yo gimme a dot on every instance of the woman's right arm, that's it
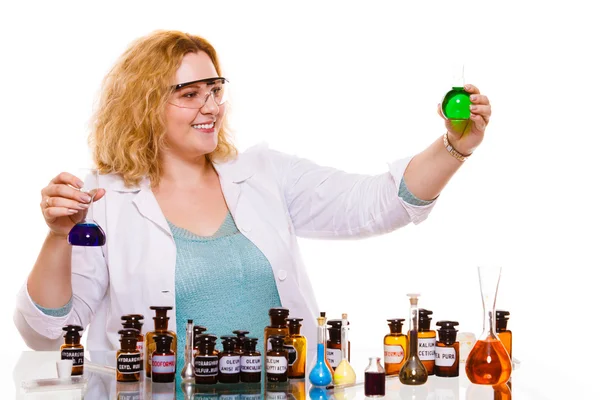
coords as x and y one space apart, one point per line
62 275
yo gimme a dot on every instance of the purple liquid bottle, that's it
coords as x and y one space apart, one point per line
374 378
87 234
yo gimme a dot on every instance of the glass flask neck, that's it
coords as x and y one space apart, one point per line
489 280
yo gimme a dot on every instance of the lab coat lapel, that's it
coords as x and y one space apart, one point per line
231 176
148 206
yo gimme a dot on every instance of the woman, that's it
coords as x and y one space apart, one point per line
174 193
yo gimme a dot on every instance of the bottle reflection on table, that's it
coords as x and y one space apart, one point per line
488 392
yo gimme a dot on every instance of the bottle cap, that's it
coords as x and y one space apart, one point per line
501 319
250 344
163 343
277 342
72 333
229 342
279 312
294 325
395 325
240 333
335 330
133 321
447 332
424 319
128 338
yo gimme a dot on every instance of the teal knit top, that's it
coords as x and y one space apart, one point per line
222 282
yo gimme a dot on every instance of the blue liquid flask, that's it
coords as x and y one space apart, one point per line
88 232
320 375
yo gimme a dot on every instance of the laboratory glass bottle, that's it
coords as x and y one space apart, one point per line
374 378
278 326
295 344
229 361
488 363
163 359
161 325
239 345
426 340
198 330
447 350
344 373
334 343
413 371
456 103
129 360
504 334
250 362
276 360
320 374
395 347
72 349
187 371
206 363
135 321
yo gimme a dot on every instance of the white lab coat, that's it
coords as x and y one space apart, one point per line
273 197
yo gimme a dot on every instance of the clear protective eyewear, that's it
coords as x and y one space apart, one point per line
195 94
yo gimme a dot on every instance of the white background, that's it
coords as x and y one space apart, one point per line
355 86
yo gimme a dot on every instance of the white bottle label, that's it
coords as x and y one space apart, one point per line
393 354
276 365
73 353
445 356
427 349
206 366
129 363
251 363
229 365
334 356
163 364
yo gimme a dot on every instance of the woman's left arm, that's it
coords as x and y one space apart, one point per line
429 171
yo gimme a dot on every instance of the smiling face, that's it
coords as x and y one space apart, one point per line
192 133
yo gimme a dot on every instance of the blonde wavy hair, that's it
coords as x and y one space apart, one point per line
128 128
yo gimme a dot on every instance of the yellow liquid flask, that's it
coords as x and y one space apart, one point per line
344 373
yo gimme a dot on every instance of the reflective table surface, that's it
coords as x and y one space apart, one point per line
99 382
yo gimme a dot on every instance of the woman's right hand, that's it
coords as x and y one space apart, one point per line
63 204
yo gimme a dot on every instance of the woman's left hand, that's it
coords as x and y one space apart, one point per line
466 135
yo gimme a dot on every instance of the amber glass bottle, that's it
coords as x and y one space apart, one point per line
504 334
395 346
129 359
72 349
229 361
334 343
295 344
206 363
250 361
447 350
278 325
198 330
426 340
163 359
161 326
276 361
135 321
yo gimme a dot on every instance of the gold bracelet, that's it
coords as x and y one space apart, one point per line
460 157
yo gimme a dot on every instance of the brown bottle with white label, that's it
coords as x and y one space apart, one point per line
395 347
447 356
426 340
129 360
72 349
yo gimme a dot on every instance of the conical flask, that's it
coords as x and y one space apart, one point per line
488 363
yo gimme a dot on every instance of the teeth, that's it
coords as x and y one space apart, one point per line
204 126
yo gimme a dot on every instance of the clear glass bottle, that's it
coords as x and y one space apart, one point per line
395 347
320 374
456 103
374 378
488 363
413 371
187 371
344 373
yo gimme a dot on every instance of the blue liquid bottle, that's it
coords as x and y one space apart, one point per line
88 232
320 375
